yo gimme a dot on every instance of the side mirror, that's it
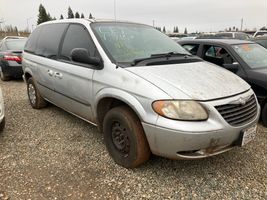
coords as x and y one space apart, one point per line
232 67
82 55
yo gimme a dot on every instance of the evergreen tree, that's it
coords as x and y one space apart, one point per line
70 13
42 16
48 17
185 31
90 16
61 17
82 15
175 29
77 15
17 32
158 28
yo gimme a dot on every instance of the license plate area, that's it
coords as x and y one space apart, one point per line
247 135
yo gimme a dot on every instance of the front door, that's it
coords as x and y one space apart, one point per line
73 81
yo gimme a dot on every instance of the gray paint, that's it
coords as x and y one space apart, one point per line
139 87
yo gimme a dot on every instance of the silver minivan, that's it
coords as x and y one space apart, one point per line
143 90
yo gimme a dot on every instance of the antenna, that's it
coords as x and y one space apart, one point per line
241 24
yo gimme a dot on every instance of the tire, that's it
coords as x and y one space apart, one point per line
125 138
264 115
35 98
4 77
2 124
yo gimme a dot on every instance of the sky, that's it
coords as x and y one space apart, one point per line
195 15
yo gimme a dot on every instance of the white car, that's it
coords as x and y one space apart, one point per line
2 112
260 33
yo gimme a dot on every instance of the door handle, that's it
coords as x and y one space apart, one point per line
58 75
50 72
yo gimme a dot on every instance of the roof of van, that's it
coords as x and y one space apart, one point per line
83 20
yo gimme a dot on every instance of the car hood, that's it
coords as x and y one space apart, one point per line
197 80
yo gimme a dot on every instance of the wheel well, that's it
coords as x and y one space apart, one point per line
27 76
104 106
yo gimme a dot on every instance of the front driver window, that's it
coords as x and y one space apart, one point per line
218 56
76 37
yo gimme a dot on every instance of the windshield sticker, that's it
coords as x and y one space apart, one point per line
246 47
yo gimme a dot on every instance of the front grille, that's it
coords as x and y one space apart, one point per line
237 114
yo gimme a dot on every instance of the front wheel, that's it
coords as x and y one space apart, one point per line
2 124
264 115
35 98
125 138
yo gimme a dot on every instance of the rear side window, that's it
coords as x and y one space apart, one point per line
31 44
16 44
49 39
241 36
225 35
76 37
191 48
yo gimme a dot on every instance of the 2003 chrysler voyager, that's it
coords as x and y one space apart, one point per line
144 91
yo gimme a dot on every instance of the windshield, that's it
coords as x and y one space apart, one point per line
126 42
253 54
16 44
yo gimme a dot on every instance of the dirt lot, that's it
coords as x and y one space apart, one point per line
50 154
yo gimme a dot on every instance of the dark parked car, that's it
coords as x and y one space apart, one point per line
261 40
11 48
245 58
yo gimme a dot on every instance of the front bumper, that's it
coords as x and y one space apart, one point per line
191 140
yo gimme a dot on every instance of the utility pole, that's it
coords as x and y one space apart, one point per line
115 14
2 32
241 25
1 22
28 19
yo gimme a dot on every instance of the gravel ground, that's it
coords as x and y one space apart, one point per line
50 154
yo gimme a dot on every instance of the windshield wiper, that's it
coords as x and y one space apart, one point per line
160 55
169 54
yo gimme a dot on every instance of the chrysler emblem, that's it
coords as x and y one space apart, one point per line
242 101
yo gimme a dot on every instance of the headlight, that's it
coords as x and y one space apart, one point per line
180 110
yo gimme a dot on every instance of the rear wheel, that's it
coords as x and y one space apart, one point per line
35 98
3 76
264 115
125 138
2 124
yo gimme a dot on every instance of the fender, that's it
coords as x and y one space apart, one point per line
25 68
121 95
